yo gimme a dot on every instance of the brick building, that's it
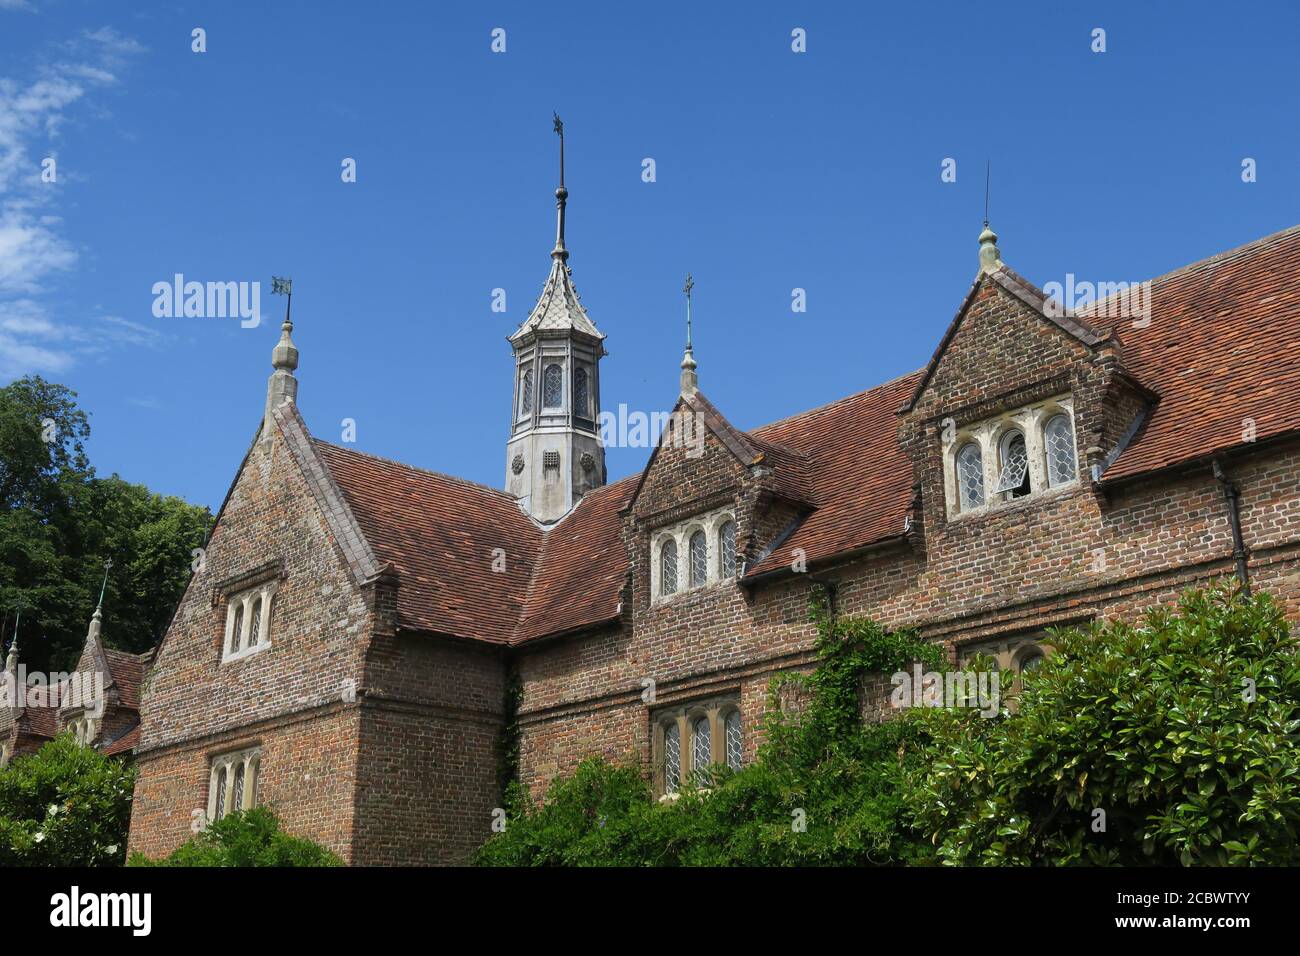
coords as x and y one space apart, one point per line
99 701
363 632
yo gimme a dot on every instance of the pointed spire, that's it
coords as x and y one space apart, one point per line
990 257
282 386
561 196
690 381
96 620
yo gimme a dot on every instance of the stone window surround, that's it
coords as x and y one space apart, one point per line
711 524
251 758
246 598
1030 420
84 726
684 716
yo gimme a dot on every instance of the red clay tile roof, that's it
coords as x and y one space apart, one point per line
127 671
1223 345
42 719
579 579
440 533
124 744
863 480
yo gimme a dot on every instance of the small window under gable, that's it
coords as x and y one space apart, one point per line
248 620
1018 454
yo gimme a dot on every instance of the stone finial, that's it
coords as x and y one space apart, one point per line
96 625
990 257
11 662
282 386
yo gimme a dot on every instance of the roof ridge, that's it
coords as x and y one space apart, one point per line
1218 257
424 471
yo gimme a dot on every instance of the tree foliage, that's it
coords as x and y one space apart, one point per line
249 838
1170 742
65 805
59 523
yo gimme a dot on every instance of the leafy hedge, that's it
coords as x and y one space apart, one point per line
1151 724
250 838
65 805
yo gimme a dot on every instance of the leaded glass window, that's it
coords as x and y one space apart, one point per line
672 757
526 393
553 387
668 568
1014 477
699 559
580 393
727 549
237 801
1059 438
702 749
234 633
255 625
733 740
221 794
970 476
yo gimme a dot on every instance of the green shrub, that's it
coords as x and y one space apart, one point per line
250 838
824 789
1150 724
65 805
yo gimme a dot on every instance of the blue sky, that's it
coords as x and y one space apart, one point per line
774 170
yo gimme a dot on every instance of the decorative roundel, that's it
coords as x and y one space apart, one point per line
517 465
588 461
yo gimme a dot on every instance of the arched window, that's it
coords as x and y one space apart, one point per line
672 757
1013 479
553 387
970 476
1058 437
702 749
237 802
733 740
1031 661
221 794
699 559
526 392
255 625
239 624
580 393
668 568
727 550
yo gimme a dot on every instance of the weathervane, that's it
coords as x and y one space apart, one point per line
561 194
690 284
103 587
282 286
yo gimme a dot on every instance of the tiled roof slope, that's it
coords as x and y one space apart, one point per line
862 478
579 578
127 671
1223 345
440 533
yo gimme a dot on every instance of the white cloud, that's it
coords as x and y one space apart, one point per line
32 248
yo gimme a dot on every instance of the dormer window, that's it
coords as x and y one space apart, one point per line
553 387
970 476
1058 436
668 568
693 554
1013 456
699 559
1017 454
